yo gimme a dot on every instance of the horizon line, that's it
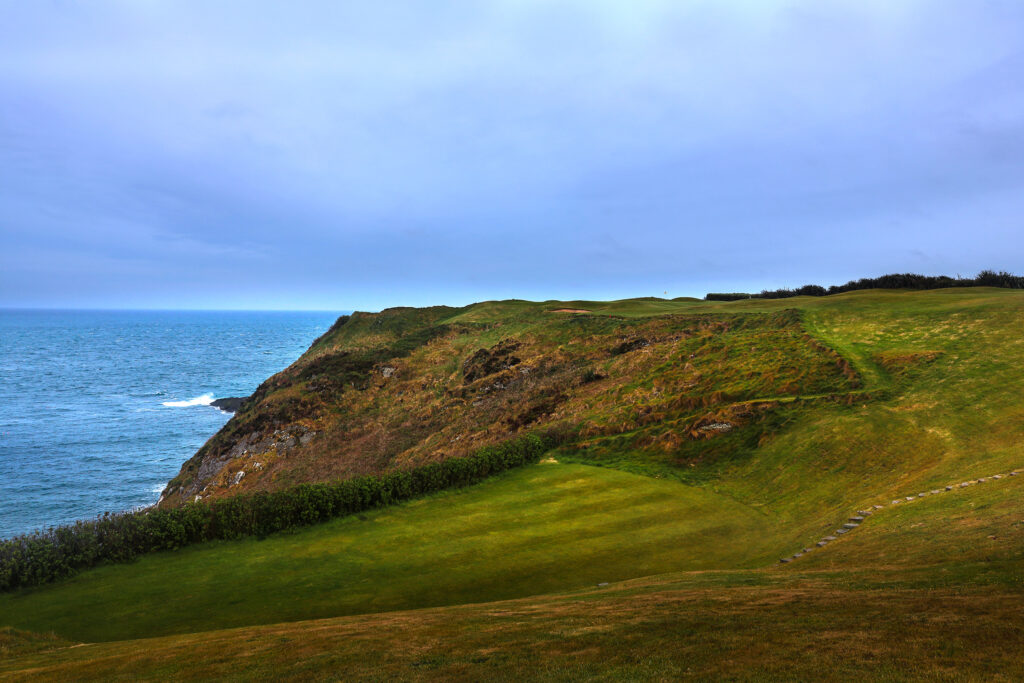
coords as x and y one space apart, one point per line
171 310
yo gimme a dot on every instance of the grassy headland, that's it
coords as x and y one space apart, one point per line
703 442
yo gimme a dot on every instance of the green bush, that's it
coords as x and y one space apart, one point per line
44 556
986 278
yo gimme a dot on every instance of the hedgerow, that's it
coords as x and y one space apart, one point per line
59 552
986 278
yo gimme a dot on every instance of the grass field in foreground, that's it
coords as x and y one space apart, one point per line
541 529
927 590
745 626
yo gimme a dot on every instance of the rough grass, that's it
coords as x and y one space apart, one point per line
15 642
393 390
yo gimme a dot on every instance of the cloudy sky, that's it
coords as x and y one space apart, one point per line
338 155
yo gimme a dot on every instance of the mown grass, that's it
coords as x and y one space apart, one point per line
977 530
701 627
548 527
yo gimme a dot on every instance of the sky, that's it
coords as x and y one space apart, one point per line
358 155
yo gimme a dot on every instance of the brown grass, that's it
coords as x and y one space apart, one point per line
654 629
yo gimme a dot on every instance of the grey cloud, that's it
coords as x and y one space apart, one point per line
366 155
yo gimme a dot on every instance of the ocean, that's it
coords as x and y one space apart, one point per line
99 409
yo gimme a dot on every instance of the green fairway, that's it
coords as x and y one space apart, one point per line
545 528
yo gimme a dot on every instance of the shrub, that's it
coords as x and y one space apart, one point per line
727 296
986 278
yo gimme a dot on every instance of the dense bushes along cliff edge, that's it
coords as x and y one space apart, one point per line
986 278
44 556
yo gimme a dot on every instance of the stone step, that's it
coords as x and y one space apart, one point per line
861 514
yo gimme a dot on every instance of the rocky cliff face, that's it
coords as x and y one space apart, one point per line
405 386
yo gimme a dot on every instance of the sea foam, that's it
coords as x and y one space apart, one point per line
204 400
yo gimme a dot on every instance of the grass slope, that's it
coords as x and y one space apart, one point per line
542 529
744 626
405 387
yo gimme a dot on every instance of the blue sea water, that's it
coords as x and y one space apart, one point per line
98 409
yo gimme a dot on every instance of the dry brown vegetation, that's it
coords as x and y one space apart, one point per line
705 627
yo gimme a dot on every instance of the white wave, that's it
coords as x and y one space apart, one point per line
204 400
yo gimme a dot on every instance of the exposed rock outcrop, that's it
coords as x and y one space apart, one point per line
489 361
245 452
229 404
